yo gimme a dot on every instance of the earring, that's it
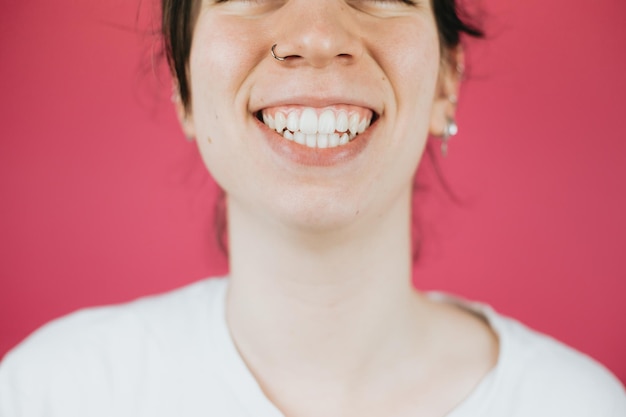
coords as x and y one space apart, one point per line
175 96
449 130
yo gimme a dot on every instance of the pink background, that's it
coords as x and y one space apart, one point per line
103 200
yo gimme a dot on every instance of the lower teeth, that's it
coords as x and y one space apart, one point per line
319 140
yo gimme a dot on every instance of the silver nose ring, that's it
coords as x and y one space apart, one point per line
276 57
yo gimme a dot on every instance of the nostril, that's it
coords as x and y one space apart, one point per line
281 58
291 57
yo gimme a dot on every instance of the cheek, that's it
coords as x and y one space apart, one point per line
218 67
418 68
418 90
413 67
224 50
412 50
211 119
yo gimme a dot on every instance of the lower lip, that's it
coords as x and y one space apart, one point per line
303 155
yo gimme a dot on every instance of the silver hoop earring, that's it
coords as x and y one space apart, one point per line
276 57
450 130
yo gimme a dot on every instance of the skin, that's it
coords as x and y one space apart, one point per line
320 304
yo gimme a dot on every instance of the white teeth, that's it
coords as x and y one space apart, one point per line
362 126
293 122
308 122
353 124
330 129
322 140
342 122
268 120
311 140
319 140
299 137
326 124
281 122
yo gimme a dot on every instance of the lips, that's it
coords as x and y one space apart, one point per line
325 127
317 136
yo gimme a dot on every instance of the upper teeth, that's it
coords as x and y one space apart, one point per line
318 128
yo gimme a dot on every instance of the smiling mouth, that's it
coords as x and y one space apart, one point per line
327 127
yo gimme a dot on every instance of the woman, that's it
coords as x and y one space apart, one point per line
313 117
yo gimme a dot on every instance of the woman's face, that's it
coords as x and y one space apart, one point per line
336 130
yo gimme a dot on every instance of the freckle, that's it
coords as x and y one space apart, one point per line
209 140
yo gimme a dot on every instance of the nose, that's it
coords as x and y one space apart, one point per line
317 33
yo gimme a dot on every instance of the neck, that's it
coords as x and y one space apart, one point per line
320 305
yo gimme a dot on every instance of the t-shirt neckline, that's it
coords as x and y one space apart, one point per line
251 397
235 372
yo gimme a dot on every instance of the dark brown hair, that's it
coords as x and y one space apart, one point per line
178 21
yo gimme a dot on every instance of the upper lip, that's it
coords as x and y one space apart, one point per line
315 101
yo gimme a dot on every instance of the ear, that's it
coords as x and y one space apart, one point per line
448 87
185 117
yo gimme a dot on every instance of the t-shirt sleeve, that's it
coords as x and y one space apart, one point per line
548 378
34 376
64 368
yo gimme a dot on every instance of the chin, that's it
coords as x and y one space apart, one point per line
318 214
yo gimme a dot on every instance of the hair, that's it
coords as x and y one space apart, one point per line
177 26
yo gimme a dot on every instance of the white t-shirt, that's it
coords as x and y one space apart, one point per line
172 355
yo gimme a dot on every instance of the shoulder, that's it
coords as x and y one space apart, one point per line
536 375
108 348
110 327
545 377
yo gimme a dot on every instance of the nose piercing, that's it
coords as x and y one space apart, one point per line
276 57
